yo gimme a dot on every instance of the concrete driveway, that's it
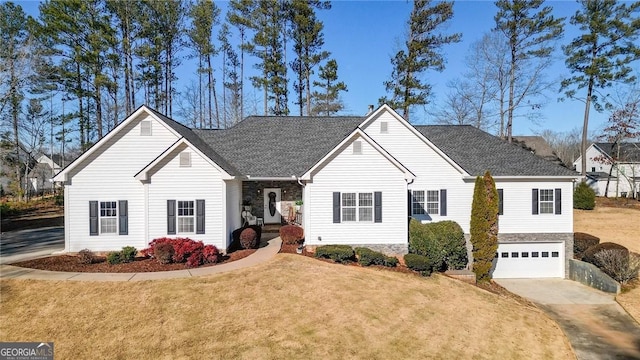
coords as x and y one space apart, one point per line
28 244
595 324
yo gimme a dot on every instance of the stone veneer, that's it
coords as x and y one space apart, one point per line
253 192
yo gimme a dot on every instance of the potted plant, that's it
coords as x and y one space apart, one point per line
298 205
246 204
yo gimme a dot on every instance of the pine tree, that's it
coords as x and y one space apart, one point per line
484 226
230 78
530 33
422 52
308 40
601 55
327 102
239 15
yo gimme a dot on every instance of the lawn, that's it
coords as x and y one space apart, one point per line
290 307
618 225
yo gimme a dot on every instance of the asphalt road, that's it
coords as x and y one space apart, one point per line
28 244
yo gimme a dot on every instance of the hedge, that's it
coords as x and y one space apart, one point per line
442 242
337 253
367 257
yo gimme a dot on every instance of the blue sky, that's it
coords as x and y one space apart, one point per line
362 35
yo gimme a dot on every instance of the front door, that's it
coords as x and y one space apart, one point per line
272 213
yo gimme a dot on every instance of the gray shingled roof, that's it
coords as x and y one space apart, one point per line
199 143
629 152
476 152
270 146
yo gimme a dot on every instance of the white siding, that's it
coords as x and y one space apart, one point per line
108 175
348 172
518 217
432 171
199 181
622 176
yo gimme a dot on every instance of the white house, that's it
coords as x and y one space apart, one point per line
358 177
611 170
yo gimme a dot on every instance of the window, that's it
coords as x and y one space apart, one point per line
504 254
514 254
185 159
545 254
108 217
357 207
433 202
348 206
555 254
145 128
384 127
357 147
417 202
593 169
546 201
365 207
186 217
534 254
524 254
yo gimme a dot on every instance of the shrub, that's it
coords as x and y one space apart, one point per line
590 255
291 234
210 254
584 197
235 236
337 253
194 253
622 267
248 238
419 263
583 241
484 226
163 252
443 242
114 257
367 257
86 256
129 254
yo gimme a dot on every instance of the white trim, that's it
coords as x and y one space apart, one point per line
408 175
388 109
143 175
272 178
64 173
528 178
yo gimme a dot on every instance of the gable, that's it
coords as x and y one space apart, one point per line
358 150
124 142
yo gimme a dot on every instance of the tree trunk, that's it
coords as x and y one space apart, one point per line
212 94
585 129
98 107
512 80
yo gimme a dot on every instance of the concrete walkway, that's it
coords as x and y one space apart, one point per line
595 324
269 249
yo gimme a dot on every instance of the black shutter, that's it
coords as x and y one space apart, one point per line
534 201
409 203
500 202
443 202
336 207
199 216
171 217
377 205
123 217
558 200
93 218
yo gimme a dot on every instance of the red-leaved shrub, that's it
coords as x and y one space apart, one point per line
163 252
291 234
194 253
248 238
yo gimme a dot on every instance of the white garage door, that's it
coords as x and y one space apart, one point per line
529 260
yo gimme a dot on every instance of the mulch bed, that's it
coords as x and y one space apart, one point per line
71 263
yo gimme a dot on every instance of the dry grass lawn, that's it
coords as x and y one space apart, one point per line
618 225
290 307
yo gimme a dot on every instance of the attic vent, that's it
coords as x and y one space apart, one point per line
145 128
185 159
384 127
357 147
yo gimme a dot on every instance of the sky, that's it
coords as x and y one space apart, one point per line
363 35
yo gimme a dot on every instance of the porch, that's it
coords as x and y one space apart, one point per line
272 202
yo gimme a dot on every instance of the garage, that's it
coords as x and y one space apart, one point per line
529 260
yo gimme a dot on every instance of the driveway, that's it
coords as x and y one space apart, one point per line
30 244
595 324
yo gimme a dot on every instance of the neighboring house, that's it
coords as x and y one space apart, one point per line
617 168
358 177
41 175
